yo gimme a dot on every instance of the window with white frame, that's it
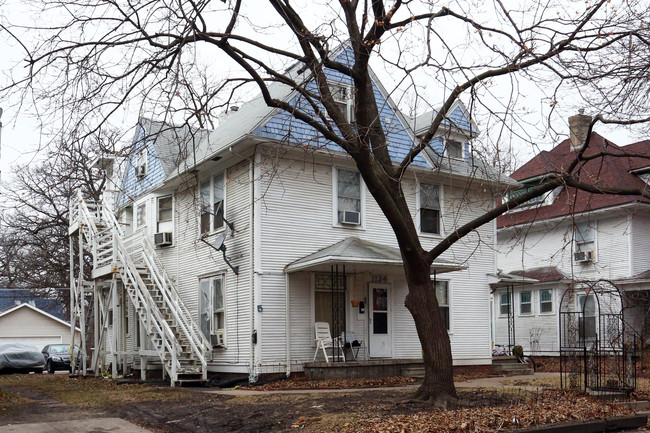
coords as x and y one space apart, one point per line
141 215
545 301
344 99
164 214
504 305
141 163
584 234
212 203
525 302
348 197
211 306
453 149
329 302
429 211
442 295
587 323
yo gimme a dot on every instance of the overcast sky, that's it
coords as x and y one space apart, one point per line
21 133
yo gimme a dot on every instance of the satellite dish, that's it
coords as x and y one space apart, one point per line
218 242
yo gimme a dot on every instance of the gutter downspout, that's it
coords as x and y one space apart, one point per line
288 324
255 247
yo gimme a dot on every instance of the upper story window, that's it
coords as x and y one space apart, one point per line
165 211
525 302
454 149
545 301
212 203
442 295
584 235
348 197
344 99
429 209
141 163
141 215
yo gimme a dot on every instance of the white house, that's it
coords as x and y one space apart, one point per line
572 239
229 245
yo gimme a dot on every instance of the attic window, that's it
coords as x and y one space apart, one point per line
643 174
454 149
344 99
519 192
141 164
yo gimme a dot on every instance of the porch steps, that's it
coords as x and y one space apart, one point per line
414 371
509 366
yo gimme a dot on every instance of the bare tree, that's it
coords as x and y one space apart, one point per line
99 58
34 232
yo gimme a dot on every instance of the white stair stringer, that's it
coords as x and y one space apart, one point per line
175 336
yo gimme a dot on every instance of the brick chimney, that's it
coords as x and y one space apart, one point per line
578 127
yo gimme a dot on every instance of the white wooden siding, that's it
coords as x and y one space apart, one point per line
536 326
297 221
640 242
189 259
550 245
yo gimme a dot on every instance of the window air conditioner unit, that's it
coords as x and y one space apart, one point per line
351 217
162 239
583 256
216 340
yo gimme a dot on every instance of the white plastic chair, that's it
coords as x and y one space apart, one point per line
325 341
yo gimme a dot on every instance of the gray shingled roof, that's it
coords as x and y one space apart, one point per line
353 250
171 143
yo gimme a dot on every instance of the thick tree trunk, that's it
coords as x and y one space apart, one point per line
438 385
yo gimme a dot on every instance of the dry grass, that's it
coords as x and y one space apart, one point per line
541 382
10 402
91 392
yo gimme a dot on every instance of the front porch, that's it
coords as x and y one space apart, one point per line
357 288
376 368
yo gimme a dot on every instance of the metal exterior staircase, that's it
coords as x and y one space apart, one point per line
176 338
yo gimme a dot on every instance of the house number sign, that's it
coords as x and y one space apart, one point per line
381 279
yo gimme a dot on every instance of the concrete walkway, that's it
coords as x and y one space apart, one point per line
92 425
499 382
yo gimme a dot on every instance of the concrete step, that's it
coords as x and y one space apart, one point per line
414 372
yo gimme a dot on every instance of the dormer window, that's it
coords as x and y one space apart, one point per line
643 174
454 149
344 99
141 164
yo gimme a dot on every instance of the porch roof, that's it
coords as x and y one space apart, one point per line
353 250
503 279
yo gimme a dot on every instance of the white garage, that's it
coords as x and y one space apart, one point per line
27 324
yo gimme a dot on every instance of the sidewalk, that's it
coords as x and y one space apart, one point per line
92 425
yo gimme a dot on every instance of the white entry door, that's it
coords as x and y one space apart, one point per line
380 333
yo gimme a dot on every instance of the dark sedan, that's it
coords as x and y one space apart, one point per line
57 357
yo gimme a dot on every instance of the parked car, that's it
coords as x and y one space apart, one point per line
20 358
57 357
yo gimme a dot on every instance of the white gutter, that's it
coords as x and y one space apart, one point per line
439 267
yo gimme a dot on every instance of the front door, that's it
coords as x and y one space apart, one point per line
380 333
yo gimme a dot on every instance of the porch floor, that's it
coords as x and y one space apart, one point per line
374 368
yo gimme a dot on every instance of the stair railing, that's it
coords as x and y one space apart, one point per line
142 298
198 342
88 213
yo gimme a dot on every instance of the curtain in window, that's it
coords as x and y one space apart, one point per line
349 192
